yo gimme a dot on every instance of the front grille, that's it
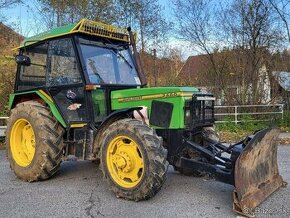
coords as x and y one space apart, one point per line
201 109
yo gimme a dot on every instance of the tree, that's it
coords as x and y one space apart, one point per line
8 3
5 4
237 38
252 29
282 7
8 39
146 17
58 13
195 22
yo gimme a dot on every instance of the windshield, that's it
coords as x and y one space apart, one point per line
110 65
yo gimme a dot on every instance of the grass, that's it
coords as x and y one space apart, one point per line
231 132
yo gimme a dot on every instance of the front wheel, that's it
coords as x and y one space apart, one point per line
133 160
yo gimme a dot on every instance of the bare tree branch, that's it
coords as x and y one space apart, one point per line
8 3
282 14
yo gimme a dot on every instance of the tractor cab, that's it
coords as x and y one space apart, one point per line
78 66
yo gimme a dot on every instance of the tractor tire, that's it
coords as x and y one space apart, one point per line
133 160
34 142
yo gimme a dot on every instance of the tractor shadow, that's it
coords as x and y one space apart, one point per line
77 169
184 193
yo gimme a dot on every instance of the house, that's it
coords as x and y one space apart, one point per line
191 68
229 86
282 78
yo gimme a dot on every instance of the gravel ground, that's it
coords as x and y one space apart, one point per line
78 190
284 135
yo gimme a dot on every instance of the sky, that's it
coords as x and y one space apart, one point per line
25 20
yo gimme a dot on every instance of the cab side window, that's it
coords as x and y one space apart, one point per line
34 75
63 68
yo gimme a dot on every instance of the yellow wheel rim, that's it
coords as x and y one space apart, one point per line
125 162
22 142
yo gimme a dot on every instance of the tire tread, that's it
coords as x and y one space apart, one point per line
50 144
156 154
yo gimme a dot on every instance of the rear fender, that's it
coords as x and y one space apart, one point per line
39 96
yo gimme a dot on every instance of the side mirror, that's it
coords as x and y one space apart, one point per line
23 60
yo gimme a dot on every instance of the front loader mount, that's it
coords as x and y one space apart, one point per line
249 165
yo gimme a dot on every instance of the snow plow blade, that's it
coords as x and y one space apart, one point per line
256 173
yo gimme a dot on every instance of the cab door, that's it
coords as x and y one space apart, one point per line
65 82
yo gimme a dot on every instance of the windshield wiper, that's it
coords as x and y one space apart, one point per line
122 56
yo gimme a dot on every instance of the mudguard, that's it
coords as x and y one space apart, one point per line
256 173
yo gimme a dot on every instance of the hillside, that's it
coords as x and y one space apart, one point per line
8 39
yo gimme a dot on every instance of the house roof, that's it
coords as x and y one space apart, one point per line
283 78
190 69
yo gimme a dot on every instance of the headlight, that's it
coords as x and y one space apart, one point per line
187 114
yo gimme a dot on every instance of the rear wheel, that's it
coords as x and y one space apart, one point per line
34 142
133 160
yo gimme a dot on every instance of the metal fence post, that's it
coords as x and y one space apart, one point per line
236 114
282 111
3 127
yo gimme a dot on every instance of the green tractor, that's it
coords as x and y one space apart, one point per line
80 92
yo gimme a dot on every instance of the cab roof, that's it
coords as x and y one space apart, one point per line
84 26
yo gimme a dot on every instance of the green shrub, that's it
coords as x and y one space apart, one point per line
283 122
227 125
2 114
249 124
246 124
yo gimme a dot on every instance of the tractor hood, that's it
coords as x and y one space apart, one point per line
175 97
141 94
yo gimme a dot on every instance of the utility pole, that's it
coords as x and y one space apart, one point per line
154 70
